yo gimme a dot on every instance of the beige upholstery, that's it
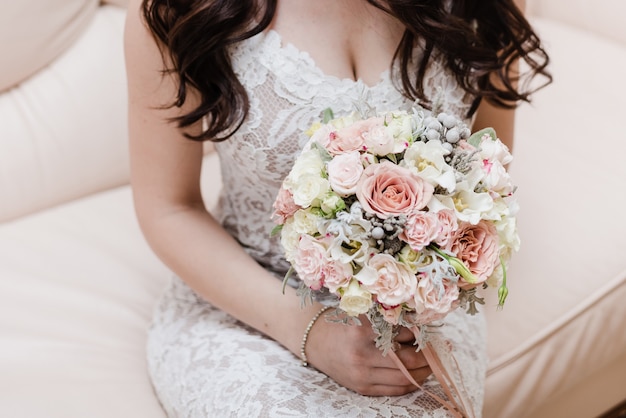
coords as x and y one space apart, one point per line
78 282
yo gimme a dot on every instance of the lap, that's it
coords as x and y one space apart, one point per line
204 363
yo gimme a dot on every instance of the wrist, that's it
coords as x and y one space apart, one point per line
307 331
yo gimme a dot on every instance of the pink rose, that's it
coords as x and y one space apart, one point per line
309 261
477 246
344 172
336 274
395 283
446 219
284 206
429 300
351 137
420 230
387 190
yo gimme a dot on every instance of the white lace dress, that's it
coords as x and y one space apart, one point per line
204 363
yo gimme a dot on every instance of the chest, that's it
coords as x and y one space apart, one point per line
348 39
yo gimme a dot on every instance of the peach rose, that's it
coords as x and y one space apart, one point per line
420 230
395 284
344 172
284 206
477 246
350 138
309 261
386 189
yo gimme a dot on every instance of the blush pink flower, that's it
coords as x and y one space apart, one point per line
351 137
336 275
309 261
447 222
477 246
429 299
344 172
420 230
395 283
386 189
284 206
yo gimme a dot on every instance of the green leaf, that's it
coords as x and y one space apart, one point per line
276 230
286 278
476 137
324 154
327 115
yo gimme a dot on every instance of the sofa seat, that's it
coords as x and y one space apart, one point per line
73 316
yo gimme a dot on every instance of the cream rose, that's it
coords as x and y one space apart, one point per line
477 246
355 300
386 189
310 188
395 284
344 172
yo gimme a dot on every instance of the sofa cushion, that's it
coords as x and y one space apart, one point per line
47 28
63 132
565 316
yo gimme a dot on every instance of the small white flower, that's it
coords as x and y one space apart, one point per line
468 205
355 301
427 159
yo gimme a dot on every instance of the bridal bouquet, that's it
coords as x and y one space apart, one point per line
400 216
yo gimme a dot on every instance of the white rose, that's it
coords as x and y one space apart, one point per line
355 301
400 126
289 238
305 222
309 188
344 172
309 162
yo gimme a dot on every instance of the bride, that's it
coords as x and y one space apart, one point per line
251 76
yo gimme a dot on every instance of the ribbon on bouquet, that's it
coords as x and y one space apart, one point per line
457 409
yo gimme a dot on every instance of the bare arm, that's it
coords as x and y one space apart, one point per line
502 120
165 172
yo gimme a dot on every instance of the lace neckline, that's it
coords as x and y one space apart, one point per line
275 40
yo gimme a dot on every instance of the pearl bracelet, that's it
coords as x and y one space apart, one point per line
319 313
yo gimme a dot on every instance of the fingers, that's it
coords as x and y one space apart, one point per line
405 336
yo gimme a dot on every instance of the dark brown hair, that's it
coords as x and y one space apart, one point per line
479 40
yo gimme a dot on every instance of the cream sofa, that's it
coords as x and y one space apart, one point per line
78 282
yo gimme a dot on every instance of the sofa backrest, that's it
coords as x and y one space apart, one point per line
35 32
63 122
601 17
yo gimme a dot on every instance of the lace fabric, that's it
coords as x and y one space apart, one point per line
203 363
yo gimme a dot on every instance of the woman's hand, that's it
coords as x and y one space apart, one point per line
348 354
